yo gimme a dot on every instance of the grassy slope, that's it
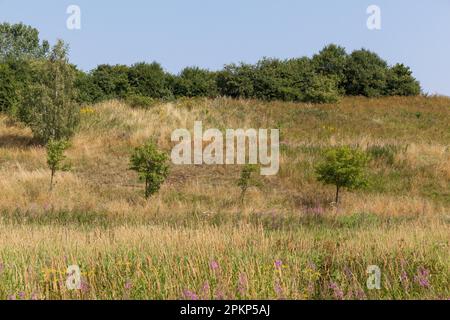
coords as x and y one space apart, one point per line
96 216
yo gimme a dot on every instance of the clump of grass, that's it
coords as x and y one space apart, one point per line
385 153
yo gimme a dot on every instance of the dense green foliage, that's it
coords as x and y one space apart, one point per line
49 106
19 41
366 74
400 82
343 167
195 82
37 85
322 79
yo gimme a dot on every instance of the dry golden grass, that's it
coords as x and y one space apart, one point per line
97 218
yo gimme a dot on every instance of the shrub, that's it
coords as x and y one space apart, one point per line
9 88
195 82
88 91
149 80
321 89
16 76
331 62
111 81
366 74
246 180
293 80
138 101
343 167
400 82
272 82
150 164
55 157
236 81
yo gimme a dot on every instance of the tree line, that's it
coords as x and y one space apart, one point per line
324 78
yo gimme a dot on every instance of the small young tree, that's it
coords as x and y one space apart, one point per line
56 157
246 179
343 167
151 165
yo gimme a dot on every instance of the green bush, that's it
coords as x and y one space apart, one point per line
366 74
149 80
151 166
88 91
400 82
343 167
195 82
9 88
138 101
321 89
111 81
293 80
236 81
331 62
56 157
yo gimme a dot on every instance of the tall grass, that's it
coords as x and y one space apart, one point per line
195 239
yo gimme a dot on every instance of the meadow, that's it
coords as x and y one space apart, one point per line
196 240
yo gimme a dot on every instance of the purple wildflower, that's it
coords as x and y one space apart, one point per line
190 295
360 294
220 295
422 277
338 292
206 288
279 290
348 273
128 285
243 284
312 266
21 295
278 264
214 265
84 286
311 289
404 279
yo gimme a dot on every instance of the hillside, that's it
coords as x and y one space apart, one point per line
196 238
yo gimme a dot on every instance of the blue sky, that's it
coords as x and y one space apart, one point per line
211 33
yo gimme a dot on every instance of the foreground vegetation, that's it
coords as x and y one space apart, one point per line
197 238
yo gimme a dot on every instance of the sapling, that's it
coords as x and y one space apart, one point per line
151 166
56 157
343 167
247 180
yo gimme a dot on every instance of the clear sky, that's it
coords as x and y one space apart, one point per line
211 33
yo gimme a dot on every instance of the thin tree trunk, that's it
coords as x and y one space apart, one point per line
51 180
243 196
337 194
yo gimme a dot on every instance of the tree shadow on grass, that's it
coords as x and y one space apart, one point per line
12 141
